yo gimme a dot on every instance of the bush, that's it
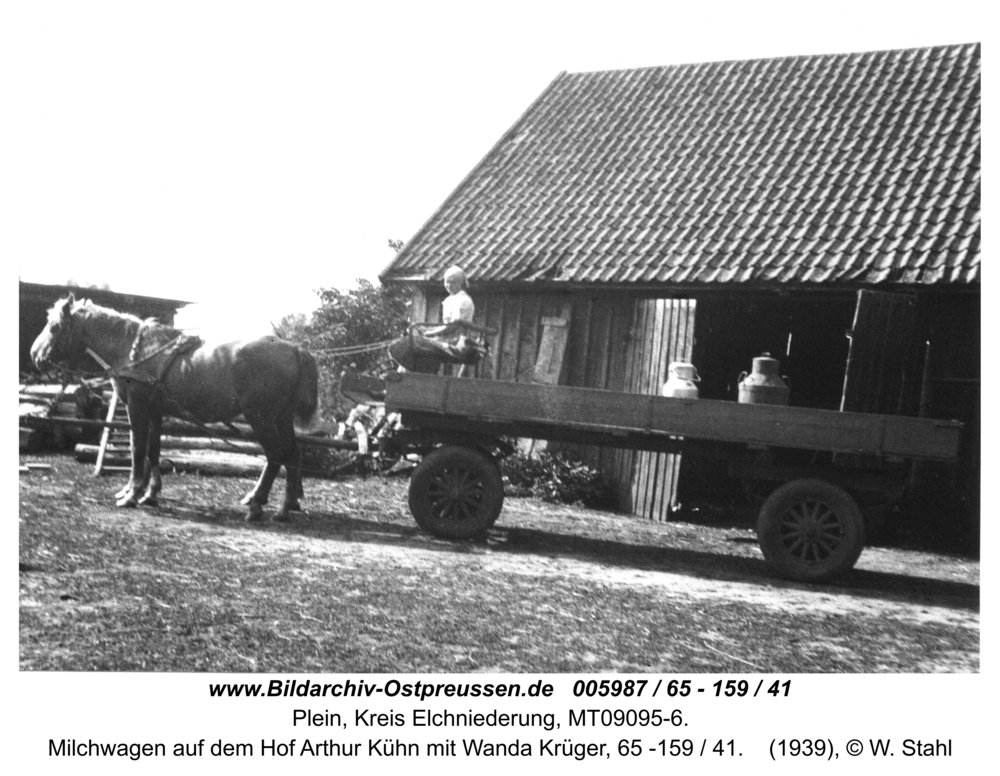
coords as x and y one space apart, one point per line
557 477
362 315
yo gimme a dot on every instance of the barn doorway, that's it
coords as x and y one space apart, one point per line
809 334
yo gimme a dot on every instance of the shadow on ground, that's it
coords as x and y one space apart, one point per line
638 555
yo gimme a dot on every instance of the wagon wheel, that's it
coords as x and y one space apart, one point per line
456 493
810 530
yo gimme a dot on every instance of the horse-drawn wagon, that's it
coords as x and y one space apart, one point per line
823 470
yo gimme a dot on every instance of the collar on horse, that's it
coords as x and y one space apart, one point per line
130 370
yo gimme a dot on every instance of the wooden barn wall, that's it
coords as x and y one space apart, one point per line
617 341
517 321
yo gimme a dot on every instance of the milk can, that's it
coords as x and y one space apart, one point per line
764 384
681 379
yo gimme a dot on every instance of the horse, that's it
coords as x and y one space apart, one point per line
159 370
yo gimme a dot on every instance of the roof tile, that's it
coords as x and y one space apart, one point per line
857 168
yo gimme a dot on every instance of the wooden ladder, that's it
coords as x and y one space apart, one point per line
116 411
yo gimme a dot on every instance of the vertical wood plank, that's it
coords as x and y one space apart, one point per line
551 351
879 353
578 352
661 353
597 364
527 350
662 348
595 368
618 463
418 305
433 313
509 337
636 384
491 319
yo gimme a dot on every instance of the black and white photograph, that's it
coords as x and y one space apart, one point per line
612 344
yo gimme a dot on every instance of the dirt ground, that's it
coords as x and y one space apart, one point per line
588 590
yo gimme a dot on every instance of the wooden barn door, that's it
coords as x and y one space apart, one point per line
663 332
880 368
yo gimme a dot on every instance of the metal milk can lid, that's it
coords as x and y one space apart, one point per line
683 370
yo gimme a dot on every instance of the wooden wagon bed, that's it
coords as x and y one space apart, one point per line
655 422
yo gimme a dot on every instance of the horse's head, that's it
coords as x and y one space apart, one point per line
56 344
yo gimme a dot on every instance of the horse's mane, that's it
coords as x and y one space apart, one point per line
156 333
113 322
111 325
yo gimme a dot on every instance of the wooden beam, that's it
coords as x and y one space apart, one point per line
608 413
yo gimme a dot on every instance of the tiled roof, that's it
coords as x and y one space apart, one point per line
847 169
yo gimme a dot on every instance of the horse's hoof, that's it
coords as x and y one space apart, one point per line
128 501
295 506
256 512
149 501
281 517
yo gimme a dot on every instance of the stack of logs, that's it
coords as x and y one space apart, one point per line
221 449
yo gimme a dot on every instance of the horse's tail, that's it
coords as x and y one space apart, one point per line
307 391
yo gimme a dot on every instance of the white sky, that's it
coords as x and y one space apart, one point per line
240 155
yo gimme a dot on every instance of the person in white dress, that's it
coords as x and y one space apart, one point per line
457 312
457 308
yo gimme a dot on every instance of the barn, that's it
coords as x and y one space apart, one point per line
824 209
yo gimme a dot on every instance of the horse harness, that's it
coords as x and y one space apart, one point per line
173 347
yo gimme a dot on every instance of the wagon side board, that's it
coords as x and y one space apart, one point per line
562 413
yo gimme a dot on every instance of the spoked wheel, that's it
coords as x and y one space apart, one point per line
810 530
456 493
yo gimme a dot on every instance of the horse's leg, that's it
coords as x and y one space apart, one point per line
293 479
267 436
155 482
264 482
263 485
288 454
261 493
253 491
131 477
138 415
